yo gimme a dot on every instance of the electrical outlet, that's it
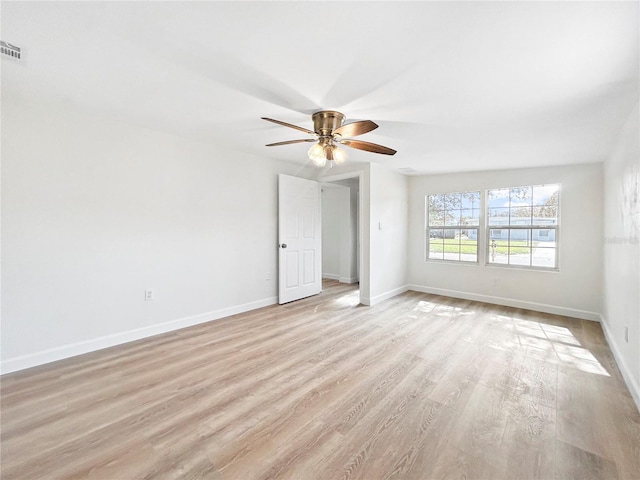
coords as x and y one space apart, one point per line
148 294
268 276
495 282
626 334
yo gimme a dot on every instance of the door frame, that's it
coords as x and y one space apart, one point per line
363 235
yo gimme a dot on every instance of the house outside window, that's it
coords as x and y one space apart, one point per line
523 226
452 224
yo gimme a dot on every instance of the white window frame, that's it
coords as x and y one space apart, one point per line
429 228
511 228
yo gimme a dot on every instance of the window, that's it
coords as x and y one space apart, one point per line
453 220
522 226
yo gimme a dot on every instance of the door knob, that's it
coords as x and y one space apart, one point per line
284 245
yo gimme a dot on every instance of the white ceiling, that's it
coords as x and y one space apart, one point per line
454 86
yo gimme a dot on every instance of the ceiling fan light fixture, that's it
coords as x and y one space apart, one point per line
317 156
319 161
339 155
325 150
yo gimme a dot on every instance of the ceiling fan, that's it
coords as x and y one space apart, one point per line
329 132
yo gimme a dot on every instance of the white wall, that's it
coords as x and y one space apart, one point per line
388 233
622 252
95 211
335 230
575 290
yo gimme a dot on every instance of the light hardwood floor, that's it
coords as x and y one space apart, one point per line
418 387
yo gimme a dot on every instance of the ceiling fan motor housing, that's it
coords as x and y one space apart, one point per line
326 121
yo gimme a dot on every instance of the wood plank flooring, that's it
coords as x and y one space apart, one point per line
418 387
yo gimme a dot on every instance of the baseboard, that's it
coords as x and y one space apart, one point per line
334 276
348 279
331 276
510 302
384 296
632 384
79 348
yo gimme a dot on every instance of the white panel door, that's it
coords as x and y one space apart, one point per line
299 238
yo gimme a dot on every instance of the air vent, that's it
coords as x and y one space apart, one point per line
407 170
9 50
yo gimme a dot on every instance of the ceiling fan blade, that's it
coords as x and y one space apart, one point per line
229 71
291 141
368 146
311 132
356 128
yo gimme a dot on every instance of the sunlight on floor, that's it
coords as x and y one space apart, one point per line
565 345
347 300
350 299
442 310
535 336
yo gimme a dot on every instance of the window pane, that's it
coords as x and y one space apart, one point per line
470 200
546 194
498 246
435 202
467 217
469 246
436 218
499 216
520 216
501 245
498 198
452 218
545 235
520 237
452 236
434 254
436 233
519 256
453 200
545 215
544 257
452 254
520 197
436 248
453 244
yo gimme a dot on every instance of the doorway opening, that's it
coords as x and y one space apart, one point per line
341 231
